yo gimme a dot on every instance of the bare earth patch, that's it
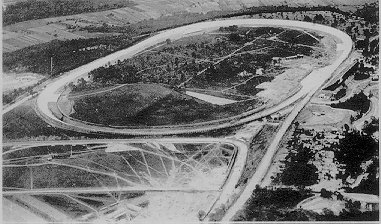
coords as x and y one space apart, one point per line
316 116
12 81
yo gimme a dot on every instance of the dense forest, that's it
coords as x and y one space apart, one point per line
358 102
65 55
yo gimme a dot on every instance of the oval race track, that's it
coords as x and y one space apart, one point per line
310 84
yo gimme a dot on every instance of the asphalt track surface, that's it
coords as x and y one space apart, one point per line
318 77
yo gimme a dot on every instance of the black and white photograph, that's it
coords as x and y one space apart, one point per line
190 111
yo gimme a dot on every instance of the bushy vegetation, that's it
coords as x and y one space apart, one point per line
353 215
372 126
371 184
141 105
335 85
298 169
258 147
39 9
11 96
354 149
344 215
340 94
278 204
66 55
358 102
30 59
341 82
272 205
200 58
116 74
150 105
369 12
23 123
190 62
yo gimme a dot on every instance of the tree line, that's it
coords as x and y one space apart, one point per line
65 55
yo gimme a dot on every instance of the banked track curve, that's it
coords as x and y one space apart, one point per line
51 93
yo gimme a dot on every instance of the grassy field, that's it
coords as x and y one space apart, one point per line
52 176
145 104
63 203
258 148
23 123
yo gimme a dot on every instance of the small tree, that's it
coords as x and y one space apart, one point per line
298 169
325 194
201 215
307 19
234 37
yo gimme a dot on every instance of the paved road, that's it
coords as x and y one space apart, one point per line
16 104
310 86
52 91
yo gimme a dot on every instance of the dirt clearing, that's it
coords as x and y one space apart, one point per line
12 81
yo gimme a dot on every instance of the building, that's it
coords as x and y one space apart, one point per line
244 74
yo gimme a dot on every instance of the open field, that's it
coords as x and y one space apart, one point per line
320 116
144 104
16 81
24 123
258 148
